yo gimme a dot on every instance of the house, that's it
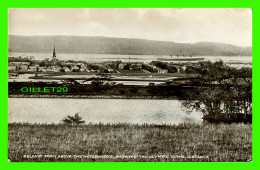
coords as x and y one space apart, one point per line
136 66
162 70
93 71
82 69
12 68
23 67
56 68
20 63
121 66
33 68
42 69
74 68
49 69
183 68
87 70
110 70
67 69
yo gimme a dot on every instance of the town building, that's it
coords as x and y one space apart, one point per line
33 68
121 66
67 69
75 68
82 69
12 68
17 63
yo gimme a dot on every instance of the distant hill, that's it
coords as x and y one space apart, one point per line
129 46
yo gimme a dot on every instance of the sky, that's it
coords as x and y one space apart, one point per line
182 25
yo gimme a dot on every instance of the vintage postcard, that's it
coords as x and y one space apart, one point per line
129 85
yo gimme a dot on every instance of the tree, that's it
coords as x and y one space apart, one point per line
42 64
105 70
76 119
223 94
127 67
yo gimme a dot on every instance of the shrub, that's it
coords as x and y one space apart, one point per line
76 119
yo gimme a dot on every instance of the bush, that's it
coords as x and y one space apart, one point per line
76 119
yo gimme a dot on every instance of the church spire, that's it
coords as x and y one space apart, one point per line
54 56
54 53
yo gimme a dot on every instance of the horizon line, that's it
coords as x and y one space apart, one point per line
134 38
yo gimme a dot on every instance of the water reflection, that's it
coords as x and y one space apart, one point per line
39 110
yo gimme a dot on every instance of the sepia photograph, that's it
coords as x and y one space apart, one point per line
130 85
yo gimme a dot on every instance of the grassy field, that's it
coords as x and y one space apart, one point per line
129 142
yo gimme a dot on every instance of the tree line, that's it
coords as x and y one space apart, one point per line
223 94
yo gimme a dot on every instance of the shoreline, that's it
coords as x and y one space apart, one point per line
95 97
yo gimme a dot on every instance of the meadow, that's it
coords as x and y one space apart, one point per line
124 142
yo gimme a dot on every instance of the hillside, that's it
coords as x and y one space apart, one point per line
107 45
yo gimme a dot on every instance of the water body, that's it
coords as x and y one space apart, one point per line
49 110
125 58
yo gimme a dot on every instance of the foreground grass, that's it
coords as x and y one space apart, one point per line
129 142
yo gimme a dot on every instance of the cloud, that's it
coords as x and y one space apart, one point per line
228 25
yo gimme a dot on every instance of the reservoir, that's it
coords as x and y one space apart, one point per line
53 110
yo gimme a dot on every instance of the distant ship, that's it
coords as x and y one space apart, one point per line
181 58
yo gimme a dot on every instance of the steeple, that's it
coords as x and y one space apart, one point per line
54 56
54 53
